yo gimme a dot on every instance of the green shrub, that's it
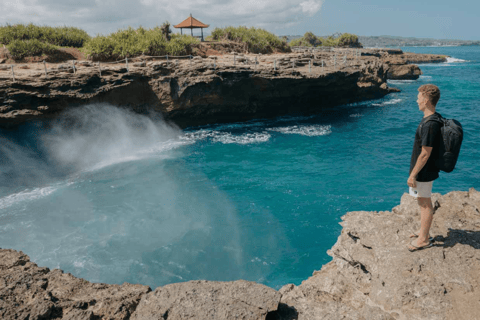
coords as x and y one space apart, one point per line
59 36
311 40
257 40
308 40
20 49
348 40
134 42
329 42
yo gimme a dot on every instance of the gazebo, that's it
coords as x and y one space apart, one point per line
191 23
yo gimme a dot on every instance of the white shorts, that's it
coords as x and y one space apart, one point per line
423 190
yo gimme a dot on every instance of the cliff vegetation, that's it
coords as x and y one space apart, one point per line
31 40
133 42
256 40
340 40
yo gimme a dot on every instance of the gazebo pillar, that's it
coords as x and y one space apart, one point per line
191 31
181 30
202 33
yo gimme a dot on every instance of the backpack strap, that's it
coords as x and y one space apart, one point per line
442 120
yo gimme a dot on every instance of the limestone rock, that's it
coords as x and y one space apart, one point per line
374 276
208 300
192 97
30 292
404 72
83 63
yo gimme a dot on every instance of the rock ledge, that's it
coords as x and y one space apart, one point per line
372 276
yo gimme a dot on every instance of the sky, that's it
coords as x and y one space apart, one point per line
439 19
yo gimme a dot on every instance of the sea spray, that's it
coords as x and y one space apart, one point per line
122 205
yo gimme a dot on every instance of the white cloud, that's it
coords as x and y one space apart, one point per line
105 16
311 7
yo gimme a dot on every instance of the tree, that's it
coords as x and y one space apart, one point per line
166 30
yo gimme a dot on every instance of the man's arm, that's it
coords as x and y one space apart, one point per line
421 161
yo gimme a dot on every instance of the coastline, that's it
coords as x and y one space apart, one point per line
226 88
372 276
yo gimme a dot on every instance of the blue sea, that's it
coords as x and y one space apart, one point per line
121 197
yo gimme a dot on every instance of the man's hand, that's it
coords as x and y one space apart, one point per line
412 182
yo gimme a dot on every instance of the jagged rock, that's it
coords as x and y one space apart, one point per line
374 276
208 300
139 64
157 65
83 63
193 97
4 67
30 292
2 61
404 72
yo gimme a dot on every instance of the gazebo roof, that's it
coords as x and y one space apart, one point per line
191 22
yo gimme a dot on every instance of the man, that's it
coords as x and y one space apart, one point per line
422 164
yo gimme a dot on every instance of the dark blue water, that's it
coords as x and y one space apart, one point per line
125 198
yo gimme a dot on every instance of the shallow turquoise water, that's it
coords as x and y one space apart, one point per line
125 198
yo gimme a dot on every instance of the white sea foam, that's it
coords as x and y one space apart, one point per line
245 138
36 193
356 115
226 137
310 131
400 81
425 77
453 60
388 102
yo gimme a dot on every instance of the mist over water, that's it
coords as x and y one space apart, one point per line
113 196
105 195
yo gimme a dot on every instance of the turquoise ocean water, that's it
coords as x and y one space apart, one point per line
121 197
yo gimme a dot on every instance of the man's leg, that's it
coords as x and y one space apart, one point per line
426 218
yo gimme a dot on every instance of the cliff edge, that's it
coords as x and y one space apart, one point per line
372 276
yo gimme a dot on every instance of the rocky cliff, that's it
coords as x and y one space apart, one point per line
372 276
202 91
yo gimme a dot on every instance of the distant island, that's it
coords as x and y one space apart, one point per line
394 41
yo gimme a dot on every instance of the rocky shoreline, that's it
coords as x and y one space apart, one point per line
372 275
225 88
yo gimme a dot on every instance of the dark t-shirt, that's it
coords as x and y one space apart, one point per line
427 134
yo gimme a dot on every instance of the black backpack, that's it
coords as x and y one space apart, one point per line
452 137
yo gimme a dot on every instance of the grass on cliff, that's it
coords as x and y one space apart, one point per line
20 49
256 40
58 36
31 40
133 42
311 40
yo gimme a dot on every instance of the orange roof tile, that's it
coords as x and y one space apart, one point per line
191 22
